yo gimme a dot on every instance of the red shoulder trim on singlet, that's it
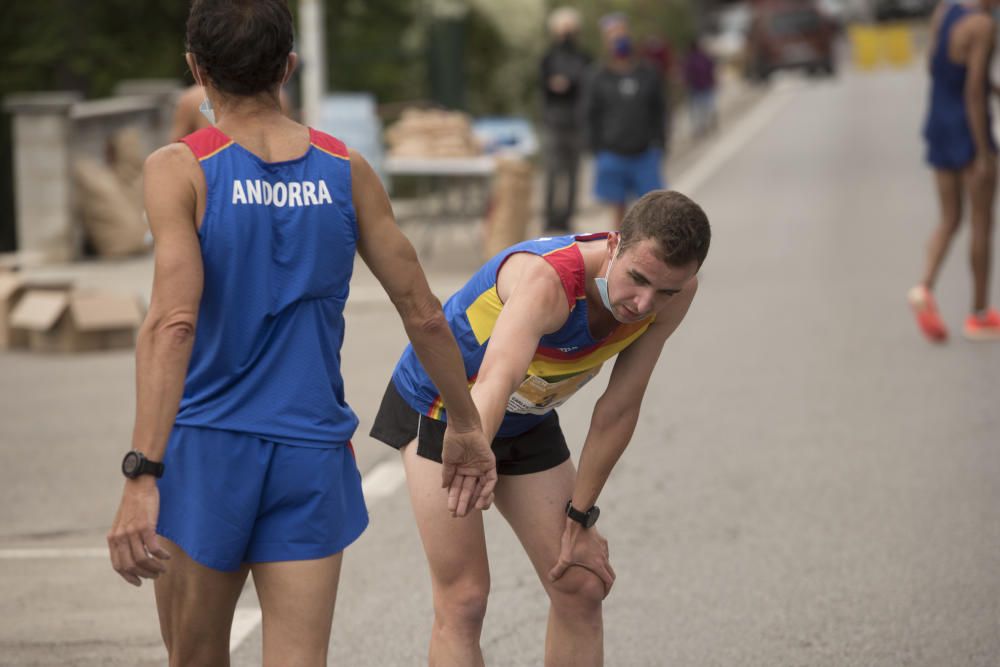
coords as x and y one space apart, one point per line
328 144
568 263
206 142
593 236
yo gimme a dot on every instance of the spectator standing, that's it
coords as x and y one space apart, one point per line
624 108
563 71
659 54
699 78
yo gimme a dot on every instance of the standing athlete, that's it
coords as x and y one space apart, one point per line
963 153
534 324
241 458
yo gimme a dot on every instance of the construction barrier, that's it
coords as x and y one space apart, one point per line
872 46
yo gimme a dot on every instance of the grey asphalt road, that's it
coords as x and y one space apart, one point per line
811 484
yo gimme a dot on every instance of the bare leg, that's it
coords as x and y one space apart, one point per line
460 574
535 507
196 605
982 192
949 188
297 600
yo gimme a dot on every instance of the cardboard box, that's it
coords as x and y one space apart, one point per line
11 290
13 286
77 320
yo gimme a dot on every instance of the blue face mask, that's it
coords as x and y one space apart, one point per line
602 286
207 111
623 46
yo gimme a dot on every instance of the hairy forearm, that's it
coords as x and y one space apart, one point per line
438 352
163 351
607 439
491 399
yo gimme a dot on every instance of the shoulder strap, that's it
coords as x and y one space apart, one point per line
206 142
328 144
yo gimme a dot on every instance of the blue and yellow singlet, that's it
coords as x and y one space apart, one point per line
564 361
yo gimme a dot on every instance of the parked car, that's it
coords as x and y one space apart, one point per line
790 36
885 10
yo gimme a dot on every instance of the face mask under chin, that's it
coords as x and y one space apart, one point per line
602 287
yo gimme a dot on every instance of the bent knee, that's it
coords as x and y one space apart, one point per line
578 587
463 604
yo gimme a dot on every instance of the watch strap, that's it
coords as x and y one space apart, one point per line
585 519
154 468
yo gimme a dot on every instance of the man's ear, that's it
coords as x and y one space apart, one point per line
199 78
293 62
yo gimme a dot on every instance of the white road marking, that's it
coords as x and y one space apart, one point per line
385 478
37 554
380 482
245 621
733 140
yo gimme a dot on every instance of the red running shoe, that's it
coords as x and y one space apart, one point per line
926 312
983 328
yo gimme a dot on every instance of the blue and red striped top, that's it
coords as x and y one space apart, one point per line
564 360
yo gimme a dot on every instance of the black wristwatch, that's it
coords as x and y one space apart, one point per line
585 519
135 463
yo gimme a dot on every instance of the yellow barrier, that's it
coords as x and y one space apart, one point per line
898 45
873 45
864 46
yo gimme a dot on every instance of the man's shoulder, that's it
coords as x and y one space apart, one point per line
532 270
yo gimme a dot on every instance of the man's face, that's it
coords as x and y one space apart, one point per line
640 283
613 32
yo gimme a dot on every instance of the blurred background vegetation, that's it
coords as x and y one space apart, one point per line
477 55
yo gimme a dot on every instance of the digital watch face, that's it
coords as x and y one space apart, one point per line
592 517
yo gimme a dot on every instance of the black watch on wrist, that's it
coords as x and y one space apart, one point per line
585 519
135 463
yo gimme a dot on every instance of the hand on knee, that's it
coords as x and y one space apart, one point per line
578 589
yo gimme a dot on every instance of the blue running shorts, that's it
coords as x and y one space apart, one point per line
230 498
622 178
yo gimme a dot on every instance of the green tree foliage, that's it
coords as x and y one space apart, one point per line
89 46
375 46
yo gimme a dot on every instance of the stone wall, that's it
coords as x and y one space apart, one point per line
50 130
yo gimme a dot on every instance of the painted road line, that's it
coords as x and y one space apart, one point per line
730 143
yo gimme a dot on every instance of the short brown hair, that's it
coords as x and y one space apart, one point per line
678 225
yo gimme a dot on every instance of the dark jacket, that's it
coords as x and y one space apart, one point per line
626 112
562 110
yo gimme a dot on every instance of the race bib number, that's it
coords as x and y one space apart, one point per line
537 396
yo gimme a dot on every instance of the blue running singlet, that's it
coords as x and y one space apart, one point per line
277 243
564 361
950 144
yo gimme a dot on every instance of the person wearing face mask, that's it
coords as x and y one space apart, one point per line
963 153
563 70
193 112
241 460
625 112
535 324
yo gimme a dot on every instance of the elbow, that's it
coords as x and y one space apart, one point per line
608 416
427 319
174 329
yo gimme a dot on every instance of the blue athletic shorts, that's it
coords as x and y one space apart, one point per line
621 178
230 498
